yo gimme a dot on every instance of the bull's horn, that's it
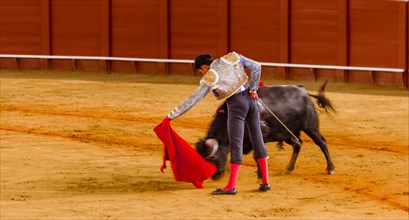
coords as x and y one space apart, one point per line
214 145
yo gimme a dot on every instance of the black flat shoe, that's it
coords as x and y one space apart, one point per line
224 192
264 187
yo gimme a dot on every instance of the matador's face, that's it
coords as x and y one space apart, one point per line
203 69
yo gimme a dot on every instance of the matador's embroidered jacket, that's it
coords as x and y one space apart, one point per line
225 77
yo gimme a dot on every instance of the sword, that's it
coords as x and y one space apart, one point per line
272 113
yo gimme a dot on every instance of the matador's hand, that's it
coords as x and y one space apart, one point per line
253 94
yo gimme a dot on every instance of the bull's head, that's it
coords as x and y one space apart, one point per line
210 151
215 147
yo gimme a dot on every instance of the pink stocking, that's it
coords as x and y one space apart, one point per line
262 162
234 171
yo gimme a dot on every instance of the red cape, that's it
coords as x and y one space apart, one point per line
187 164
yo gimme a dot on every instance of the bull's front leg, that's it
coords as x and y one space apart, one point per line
259 175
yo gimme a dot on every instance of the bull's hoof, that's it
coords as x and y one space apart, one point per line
289 170
330 172
259 175
330 169
217 176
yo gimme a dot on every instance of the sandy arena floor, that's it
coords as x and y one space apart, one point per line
81 146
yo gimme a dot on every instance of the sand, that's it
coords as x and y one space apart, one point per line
78 145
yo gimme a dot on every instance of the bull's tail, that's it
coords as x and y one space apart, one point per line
322 101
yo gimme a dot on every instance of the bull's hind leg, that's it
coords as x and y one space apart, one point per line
322 143
296 150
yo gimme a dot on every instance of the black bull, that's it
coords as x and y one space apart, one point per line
292 105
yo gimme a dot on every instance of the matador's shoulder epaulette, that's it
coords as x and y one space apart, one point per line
231 58
210 78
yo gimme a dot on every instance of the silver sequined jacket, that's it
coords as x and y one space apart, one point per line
225 78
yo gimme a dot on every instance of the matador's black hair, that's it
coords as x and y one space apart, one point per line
203 59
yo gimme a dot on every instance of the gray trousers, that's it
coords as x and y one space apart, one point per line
243 111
